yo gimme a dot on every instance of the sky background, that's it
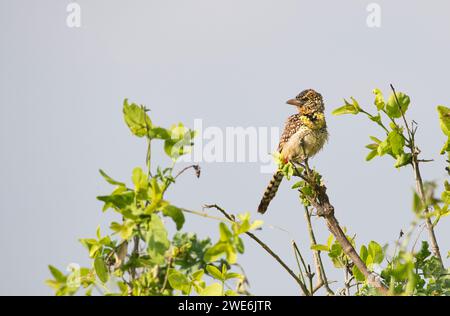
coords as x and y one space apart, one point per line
229 63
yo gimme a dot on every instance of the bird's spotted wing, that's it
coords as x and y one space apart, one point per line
293 124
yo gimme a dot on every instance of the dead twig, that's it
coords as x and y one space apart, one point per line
266 248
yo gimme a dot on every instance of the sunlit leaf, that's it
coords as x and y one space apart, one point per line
379 99
176 214
214 289
214 272
101 270
347 108
394 109
136 118
109 179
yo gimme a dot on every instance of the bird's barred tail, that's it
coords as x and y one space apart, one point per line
270 192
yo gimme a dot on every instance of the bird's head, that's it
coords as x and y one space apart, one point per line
308 102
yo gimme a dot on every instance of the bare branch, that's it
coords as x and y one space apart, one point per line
320 270
195 167
266 248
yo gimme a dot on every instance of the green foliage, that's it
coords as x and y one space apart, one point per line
348 108
137 119
444 121
395 142
158 263
417 274
406 273
397 105
230 242
146 251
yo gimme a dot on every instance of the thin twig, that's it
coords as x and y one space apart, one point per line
135 252
297 251
298 256
266 248
166 277
195 167
322 278
203 214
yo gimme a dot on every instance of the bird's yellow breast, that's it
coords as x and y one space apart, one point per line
308 140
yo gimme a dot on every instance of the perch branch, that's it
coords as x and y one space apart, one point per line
324 209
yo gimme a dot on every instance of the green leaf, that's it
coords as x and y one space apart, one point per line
214 272
330 241
376 140
446 147
444 119
403 160
358 274
215 252
125 230
120 200
298 184
287 170
379 99
423 254
101 270
156 195
376 118
176 214
376 252
92 245
445 196
58 275
233 275
230 293
384 147
231 254
244 224
109 179
140 179
394 109
320 247
372 146
347 108
215 289
180 141
197 275
225 233
417 203
136 118
355 104
240 245
396 141
157 240
159 133
363 253
372 155
256 224
179 281
224 269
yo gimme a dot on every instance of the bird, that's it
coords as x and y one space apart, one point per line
305 133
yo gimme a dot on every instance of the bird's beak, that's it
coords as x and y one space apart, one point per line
294 102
